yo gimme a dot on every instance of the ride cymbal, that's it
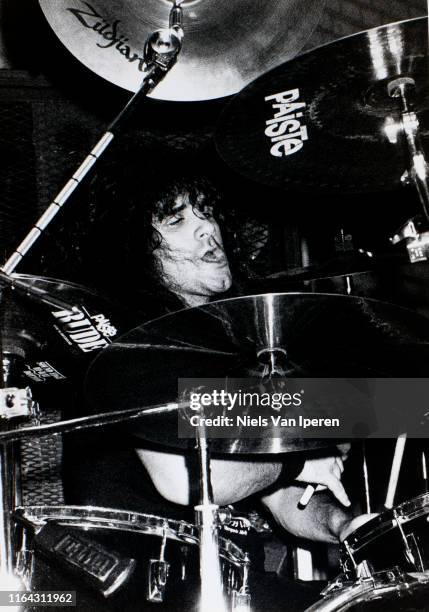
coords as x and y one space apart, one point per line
226 44
56 344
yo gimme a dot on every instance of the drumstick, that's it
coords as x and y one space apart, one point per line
306 496
394 474
366 479
424 472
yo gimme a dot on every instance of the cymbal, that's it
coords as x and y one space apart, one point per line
55 344
353 262
226 45
324 336
339 95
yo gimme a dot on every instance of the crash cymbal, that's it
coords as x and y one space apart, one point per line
323 336
336 101
226 44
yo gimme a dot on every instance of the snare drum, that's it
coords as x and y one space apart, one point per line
161 555
396 538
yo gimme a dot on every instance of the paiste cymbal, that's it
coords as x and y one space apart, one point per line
53 345
324 336
317 122
58 344
226 45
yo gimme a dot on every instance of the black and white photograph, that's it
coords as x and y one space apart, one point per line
214 305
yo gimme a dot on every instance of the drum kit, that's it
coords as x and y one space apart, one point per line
351 116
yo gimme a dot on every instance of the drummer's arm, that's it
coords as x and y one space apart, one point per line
231 480
323 519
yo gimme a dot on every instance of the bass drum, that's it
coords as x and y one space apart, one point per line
386 592
75 548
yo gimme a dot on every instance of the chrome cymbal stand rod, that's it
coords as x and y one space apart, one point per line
366 478
10 476
10 495
160 52
206 514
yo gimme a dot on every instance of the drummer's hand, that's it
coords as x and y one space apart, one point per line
356 522
325 471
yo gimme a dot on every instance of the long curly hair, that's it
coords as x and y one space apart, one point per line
127 239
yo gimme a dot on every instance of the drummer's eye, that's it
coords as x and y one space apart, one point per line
174 220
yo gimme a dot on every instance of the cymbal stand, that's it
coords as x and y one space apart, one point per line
416 231
206 517
160 52
14 404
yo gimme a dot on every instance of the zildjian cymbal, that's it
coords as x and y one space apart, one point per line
226 44
314 335
318 121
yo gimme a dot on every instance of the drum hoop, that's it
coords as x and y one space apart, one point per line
414 506
339 601
124 520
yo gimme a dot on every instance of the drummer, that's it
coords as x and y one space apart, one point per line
175 237
190 267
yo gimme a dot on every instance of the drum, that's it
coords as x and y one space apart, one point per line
119 560
384 592
396 538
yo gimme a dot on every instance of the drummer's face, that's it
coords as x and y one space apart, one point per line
191 258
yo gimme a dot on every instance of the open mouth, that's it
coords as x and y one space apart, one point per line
214 256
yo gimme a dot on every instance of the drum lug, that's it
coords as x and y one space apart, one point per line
25 567
184 551
414 555
24 560
410 554
241 599
158 575
351 558
158 571
364 570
